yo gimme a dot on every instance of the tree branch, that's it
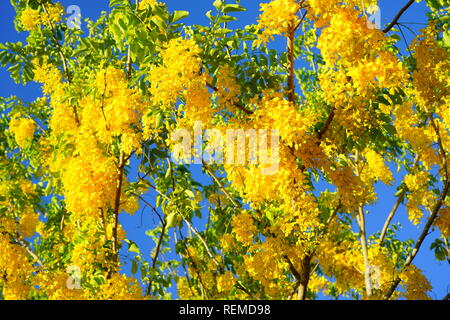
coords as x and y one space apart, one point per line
155 258
399 14
363 238
290 66
118 194
327 124
419 242
220 185
394 209
304 278
237 104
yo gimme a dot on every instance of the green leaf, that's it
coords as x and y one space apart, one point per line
218 4
179 14
168 173
209 15
159 22
226 19
134 267
132 247
189 193
171 219
233 8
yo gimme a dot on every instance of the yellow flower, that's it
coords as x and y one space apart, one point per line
277 18
443 221
28 223
415 283
225 282
30 19
145 4
22 129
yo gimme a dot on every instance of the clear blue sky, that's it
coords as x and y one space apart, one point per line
437 272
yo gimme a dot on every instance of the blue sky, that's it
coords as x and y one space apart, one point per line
437 272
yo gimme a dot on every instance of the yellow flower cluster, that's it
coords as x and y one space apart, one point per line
344 261
443 221
244 228
64 118
184 290
375 168
322 10
430 93
54 285
28 223
115 111
117 287
278 17
32 18
89 178
430 79
14 267
51 78
228 89
256 187
145 4
267 265
22 129
357 65
180 76
225 282
121 287
421 138
415 283
419 195
85 131
352 191
274 112
318 283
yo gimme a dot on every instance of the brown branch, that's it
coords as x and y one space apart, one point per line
120 175
292 268
394 209
304 278
219 184
237 104
363 238
30 252
129 64
422 237
155 258
52 28
208 250
327 124
399 14
204 292
291 57
239 286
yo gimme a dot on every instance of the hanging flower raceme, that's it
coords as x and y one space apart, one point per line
48 15
23 130
278 17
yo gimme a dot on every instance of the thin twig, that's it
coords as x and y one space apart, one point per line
155 258
394 209
399 14
421 238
